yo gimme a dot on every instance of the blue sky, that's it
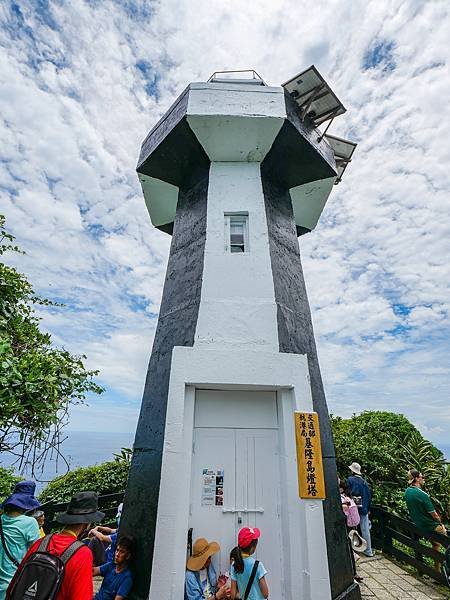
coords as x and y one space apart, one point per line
83 82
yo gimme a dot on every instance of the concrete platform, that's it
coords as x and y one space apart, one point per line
386 579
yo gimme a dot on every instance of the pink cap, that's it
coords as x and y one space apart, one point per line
247 535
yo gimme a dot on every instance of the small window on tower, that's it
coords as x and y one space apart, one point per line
236 232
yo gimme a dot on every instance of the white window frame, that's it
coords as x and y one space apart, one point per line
243 217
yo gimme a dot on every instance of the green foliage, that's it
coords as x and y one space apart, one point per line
418 453
7 482
106 478
37 380
125 456
387 445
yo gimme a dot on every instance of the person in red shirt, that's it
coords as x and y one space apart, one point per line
81 512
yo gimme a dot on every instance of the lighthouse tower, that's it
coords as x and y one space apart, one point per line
235 171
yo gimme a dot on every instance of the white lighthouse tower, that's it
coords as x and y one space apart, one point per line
235 171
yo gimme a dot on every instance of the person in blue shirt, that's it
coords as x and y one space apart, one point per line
201 578
243 565
362 496
117 579
102 540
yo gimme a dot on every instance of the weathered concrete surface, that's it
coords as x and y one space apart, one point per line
385 579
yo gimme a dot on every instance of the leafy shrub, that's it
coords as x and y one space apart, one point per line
7 481
106 478
387 445
38 381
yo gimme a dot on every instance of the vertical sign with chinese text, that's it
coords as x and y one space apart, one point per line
311 484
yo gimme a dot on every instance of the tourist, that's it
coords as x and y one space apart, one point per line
39 515
81 512
201 578
352 521
348 505
117 579
362 496
247 577
421 510
108 538
17 530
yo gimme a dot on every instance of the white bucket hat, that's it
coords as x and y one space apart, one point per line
358 543
355 468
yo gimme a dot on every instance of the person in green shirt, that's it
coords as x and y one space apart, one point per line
421 510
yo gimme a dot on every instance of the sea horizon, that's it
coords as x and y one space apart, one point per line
79 448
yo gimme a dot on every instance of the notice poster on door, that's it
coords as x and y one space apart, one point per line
311 484
212 487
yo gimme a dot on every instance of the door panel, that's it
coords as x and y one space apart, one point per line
257 490
249 410
249 459
214 449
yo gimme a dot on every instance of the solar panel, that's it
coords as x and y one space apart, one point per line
314 96
343 152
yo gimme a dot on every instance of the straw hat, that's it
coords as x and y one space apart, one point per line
355 468
201 551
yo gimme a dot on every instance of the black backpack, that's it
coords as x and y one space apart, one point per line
42 574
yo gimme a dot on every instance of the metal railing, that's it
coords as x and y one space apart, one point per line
401 539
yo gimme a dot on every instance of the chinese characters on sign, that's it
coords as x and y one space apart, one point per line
311 483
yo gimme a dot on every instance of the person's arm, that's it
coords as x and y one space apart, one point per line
221 593
429 507
100 536
234 590
435 515
104 529
263 587
192 587
33 533
95 571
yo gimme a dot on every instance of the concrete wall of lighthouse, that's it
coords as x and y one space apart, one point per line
237 347
238 299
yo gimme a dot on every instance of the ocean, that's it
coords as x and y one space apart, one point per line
85 448
81 449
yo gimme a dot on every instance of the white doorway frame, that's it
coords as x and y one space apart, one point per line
302 524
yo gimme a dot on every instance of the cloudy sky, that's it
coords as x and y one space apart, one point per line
82 82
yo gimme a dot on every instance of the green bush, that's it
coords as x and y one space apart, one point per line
387 445
7 481
106 478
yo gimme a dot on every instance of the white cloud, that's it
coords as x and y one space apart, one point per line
74 109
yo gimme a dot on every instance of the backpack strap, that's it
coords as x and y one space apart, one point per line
70 551
43 544
251 579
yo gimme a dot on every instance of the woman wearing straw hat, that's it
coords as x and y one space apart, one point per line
201 578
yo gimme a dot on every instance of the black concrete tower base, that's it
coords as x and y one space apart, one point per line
242 149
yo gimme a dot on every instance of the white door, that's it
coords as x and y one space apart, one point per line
214 450
248 458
